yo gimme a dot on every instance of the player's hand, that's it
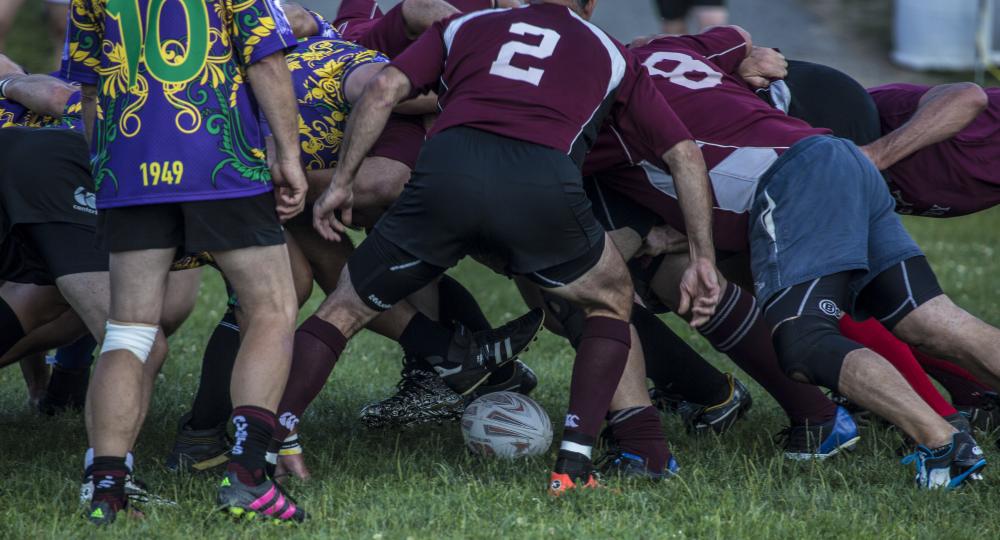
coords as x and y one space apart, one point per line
763 66
325 220
289 187
663 239
699 291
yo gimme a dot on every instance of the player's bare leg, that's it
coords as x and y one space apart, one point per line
708 16
605 294
870 381
941 328
36 377
117 391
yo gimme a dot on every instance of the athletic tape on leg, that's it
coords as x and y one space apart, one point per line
137 339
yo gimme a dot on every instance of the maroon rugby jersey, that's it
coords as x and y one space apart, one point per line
740 136
951 178
363 22
539 74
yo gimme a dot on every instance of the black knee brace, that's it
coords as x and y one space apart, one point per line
811 349
570 317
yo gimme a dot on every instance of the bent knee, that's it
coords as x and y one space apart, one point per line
811 349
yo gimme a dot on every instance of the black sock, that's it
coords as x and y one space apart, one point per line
254 430
109 474
673 365
212 404
68 386
456 304
424 338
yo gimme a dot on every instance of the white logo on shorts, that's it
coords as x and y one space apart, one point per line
572 421
829 307
85 201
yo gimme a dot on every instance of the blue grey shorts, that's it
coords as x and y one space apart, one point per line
821 209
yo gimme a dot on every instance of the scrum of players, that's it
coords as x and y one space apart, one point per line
753 196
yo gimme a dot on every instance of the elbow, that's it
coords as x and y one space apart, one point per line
746 36
385 91
974 98
56 99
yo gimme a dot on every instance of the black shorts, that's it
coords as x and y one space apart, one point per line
678 9
476 193
616 211
39 253
192 227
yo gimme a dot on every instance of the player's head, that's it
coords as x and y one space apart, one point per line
584 8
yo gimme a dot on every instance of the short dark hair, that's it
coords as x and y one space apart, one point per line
582 3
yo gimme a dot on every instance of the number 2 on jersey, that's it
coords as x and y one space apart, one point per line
501 66
685 64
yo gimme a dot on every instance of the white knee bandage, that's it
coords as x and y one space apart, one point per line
137 339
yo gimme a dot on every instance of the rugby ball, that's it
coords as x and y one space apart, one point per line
506 425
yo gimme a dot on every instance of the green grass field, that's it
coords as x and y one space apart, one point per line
422 483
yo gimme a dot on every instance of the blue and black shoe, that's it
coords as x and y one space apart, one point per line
821 441
627 465
947 467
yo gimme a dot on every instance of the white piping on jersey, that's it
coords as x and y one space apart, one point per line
705 143
621 141
454 26
374 10
617 70
734 179
727 51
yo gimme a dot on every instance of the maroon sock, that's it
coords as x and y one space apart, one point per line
109 474
738 330
964 391
638 430
254 427
600 362
318 346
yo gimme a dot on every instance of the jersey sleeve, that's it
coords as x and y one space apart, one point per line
896 103
259 30
82 51
324 28
724 46
423 62
642 119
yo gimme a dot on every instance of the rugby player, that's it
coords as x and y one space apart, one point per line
869 262
210 190
477 151
825 97
818 428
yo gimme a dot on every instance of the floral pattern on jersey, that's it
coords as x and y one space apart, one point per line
192 74
319 68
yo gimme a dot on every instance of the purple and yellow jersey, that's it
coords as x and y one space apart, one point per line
319 67
13 114
176 121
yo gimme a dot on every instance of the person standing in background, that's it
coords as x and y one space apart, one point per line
706 12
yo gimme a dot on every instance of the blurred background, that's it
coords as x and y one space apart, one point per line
876 41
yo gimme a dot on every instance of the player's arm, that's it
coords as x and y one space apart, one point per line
272 86
942 112
43 94
88 109
364 125
9 67
416 70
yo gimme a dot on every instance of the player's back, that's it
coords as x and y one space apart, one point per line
695 74
540 74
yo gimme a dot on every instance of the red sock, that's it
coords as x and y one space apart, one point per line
964 387
638 431
318 346
874 336
600 362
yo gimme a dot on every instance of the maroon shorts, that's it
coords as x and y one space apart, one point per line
362 22
401 140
